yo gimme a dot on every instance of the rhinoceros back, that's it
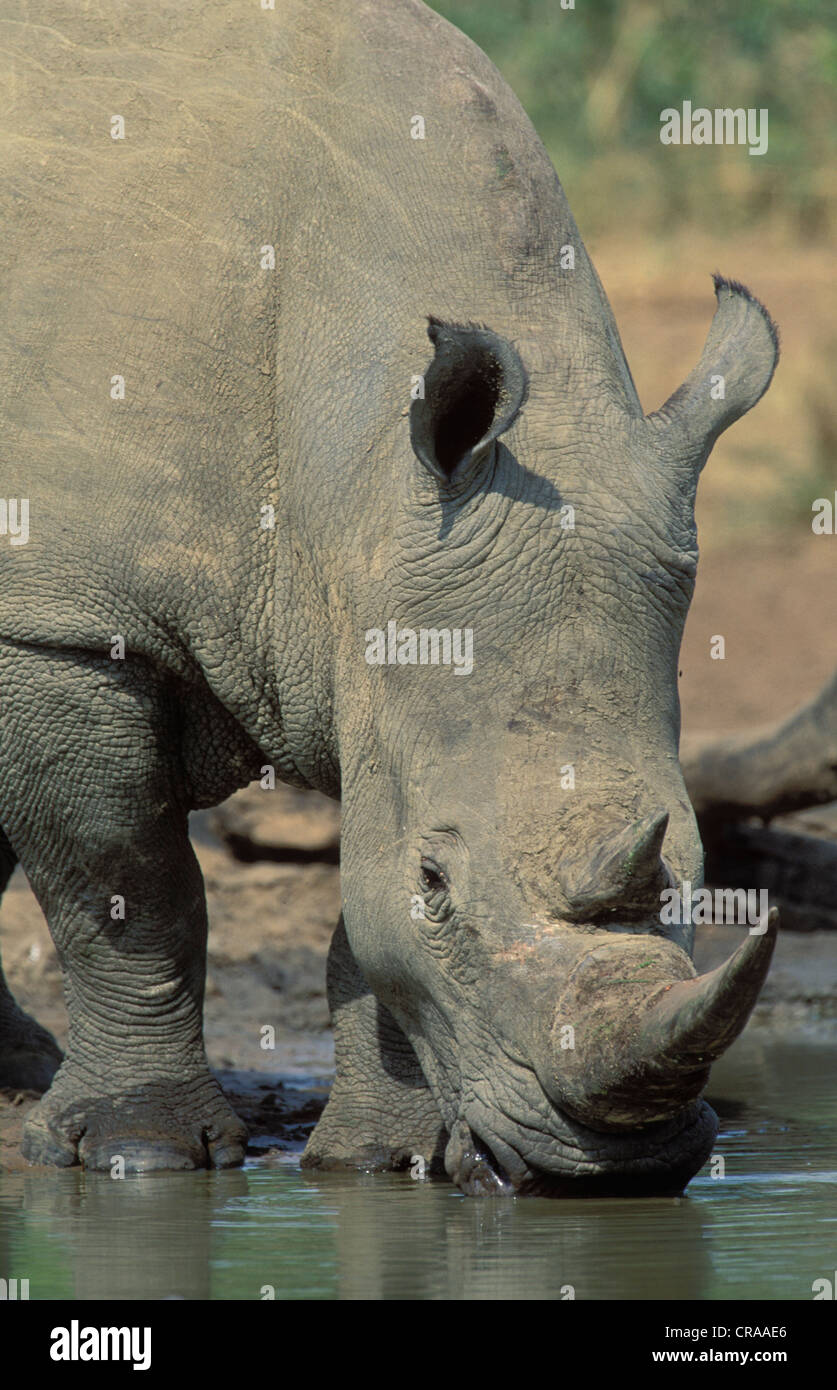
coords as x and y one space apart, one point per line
224 229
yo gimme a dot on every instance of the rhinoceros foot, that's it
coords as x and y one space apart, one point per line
164 1124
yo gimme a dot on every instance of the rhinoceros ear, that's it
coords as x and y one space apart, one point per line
473 390
734 371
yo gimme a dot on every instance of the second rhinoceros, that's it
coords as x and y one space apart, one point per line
228 234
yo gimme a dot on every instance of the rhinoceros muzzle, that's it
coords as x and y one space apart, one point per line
612 1105
494 1154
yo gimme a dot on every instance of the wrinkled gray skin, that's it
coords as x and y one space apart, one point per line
291 387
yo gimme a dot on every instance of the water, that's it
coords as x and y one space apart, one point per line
767 1229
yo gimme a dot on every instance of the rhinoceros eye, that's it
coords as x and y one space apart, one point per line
432 877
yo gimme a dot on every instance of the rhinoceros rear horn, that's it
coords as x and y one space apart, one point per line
473 390
734 371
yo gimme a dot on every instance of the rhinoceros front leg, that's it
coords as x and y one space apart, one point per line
380 1114
29 1055
93 799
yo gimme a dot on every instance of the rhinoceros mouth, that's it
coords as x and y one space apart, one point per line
491 1153
473 1166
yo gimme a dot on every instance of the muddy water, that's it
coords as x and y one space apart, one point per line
766 1229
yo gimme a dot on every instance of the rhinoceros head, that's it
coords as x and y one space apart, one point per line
514 809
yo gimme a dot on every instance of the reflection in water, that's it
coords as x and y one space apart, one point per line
768 1228
146 1237
443 1246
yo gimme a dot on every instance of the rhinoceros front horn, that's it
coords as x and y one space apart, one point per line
643 1045
695 1021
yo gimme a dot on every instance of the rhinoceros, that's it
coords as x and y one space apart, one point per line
322 455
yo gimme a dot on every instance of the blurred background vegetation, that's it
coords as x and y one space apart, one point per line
658 219
595 79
